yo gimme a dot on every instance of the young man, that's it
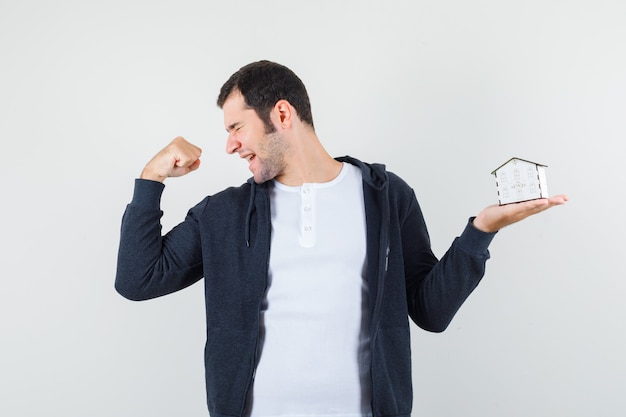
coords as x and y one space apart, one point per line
311 268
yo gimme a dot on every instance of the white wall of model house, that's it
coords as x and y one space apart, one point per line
520 180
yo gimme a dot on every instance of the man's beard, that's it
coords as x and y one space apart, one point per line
275 147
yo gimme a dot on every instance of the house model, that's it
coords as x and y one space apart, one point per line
520 180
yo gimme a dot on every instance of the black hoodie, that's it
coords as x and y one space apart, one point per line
226 240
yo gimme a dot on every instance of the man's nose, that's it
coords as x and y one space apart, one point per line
232 144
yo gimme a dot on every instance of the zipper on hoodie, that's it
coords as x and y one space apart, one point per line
256 357
383 265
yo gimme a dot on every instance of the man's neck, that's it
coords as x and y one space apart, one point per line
309 163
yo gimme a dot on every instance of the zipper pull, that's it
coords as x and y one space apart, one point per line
387 259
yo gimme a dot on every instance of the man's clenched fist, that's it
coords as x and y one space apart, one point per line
176 159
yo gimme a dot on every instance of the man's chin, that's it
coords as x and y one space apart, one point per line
260 179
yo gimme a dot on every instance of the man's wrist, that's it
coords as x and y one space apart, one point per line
479 224
148 174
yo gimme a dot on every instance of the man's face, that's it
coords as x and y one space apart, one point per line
265 152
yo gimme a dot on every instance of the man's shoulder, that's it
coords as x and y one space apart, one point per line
231 194
374 174
244 194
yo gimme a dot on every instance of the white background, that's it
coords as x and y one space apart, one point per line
442 92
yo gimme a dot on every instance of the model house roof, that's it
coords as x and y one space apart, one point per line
519 159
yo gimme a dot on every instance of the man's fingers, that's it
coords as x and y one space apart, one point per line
195 165
185 161
495 217
559 199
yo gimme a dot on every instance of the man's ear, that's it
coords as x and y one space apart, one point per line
285 113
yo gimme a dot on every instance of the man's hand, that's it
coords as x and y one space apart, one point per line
176 159
494 218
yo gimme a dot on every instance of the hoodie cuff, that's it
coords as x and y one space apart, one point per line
474 240
147 193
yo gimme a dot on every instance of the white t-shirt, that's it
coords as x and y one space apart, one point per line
314 346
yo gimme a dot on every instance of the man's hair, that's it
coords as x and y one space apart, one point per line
263 84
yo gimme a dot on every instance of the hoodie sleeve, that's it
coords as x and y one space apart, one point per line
436 289
150 265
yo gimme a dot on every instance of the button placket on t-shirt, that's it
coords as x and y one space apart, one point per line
307 204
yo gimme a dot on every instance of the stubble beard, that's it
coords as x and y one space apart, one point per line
274 147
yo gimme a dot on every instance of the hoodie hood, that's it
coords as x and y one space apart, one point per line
373 174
